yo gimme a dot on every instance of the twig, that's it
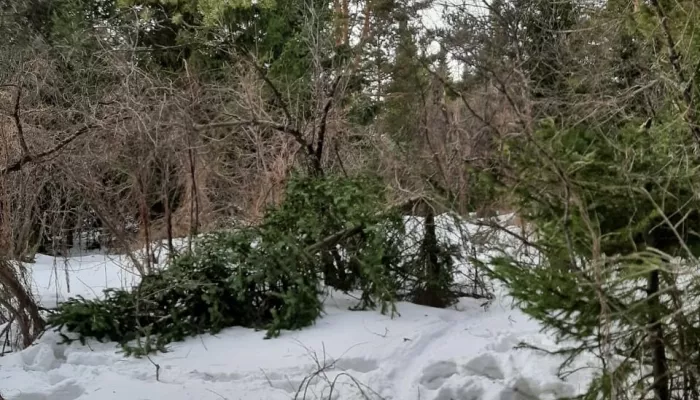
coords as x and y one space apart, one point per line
36 158
18 122
6 333
211 391
324 120
674 58
155 365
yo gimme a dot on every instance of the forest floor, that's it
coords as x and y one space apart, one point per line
468 352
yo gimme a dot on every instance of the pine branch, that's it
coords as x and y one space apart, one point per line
335 238
675 59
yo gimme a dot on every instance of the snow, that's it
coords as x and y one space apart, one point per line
467 352
56 279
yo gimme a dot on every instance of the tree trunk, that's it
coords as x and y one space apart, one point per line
168 210
145 223
434 294
27 312
656 339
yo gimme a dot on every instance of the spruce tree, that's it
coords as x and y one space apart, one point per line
612 204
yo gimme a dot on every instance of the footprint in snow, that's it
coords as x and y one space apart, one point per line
361 365
217 376
487 365
41 357
449 381
67 390
435 375
469 391
504 343
520 389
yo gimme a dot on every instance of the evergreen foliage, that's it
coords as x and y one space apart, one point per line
609 191
268 276
613 207
610 213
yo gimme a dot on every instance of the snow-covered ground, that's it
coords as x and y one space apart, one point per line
464 353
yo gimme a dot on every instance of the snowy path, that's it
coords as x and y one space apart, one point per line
465 353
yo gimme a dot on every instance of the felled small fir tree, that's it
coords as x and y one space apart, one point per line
316 209
268 276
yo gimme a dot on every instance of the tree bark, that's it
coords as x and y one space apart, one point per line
433 295
656 339
27 311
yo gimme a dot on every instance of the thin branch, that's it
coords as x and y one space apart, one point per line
18 122
324 119
354 230
290 130
39 157
675 59
273 87
334 238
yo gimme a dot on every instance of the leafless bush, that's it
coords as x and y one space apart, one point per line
332 378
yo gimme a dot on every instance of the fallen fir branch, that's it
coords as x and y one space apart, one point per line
337 237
